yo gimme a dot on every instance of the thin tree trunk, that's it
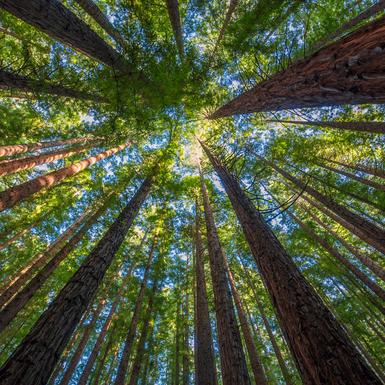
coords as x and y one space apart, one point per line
346 72
12 285
173 12
205 370
322 350
367 231
233 361
14 195
16 165
93 10
255 361
361 168
186 335
17 236
54 19
128 343
48 337
13 81
108 380
177 344
21 148
373 127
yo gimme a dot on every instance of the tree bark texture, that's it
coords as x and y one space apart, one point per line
319 344
205 369
348 71
54 19
173 12
13 81
14 195
361 168
48 337
233 361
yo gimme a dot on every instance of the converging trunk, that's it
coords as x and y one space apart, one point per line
173 12
361 168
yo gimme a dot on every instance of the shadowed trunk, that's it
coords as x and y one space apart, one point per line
205 370
49 336
346 72
13 81
173 12
321 348
129 341
14 195
57 21
233 361
361 168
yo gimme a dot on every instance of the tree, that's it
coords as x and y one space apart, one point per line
173 11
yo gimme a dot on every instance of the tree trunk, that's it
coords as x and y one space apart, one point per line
13 81
16 165
21 299
205 370
255 361
17 236
48 337
173 12
21 148
367 231
14 195
233 361
373 127
346 72
54 19
177 344
93 10
186 335
128 343
12 285
111 368
322 350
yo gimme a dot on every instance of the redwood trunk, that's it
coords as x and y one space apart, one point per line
16 165
373 127
17 236
11 81
233 361
346 72
255 361
186 335
128 343
177 344
54 19
367 231
21 148
34 359
322 350
173 12
361 168
205 370
14 195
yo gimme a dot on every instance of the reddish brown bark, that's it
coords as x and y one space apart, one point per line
233 361
373 127
14 195
52 18
255 361
16 165
346 72
173 12
205 370
48 337
21 148
319 344
13 81
367 231
129 341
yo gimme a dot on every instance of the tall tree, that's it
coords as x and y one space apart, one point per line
319 344
361 168
48 337
173 12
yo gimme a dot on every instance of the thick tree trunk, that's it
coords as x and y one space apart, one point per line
53 18
93 10
365 230
255 361
346 72
129 341
12 285
48 337
21 298
322 350
173 12
14 195
205 370
21 148
373 127
20 164
13 81
233 361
